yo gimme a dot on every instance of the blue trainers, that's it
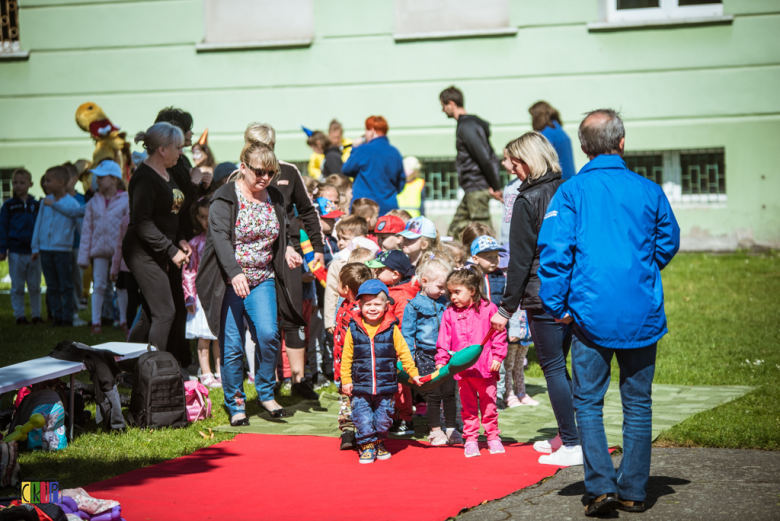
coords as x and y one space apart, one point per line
367 453
381 451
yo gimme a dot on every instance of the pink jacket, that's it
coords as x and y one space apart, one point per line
464 327
191 269
101 227
118 262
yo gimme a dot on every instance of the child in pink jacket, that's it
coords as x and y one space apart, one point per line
197 324
466 323
104 214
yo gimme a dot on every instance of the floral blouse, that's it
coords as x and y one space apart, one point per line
256 230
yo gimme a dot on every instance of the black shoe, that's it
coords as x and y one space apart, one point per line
402 428
348 441
603 504
36 321
66 323
276 413
500 405
304 390
631 506
243 422
22 321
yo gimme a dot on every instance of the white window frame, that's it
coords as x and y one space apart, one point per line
668 10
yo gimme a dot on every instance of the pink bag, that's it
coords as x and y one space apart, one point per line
198 403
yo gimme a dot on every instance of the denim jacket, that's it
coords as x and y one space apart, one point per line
420 326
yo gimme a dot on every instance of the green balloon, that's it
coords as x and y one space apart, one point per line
460 361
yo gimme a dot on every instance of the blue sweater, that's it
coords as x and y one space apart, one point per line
56 225
378 169
606 236
17 224
560 141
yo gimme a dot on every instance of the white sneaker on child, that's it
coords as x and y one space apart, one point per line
548 446
437 438
527 400
563 457
209 381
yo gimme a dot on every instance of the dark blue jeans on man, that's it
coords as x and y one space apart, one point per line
552 341
56 267
372 415
591 370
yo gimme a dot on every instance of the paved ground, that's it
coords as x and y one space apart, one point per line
709 484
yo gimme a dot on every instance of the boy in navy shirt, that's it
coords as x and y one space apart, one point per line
17 223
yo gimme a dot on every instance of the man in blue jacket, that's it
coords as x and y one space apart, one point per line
377 166
607 235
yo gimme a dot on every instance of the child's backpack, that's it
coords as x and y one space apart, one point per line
198 403
51 436
157 398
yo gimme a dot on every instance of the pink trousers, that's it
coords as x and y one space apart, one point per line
478 396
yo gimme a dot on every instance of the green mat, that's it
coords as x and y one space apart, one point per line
671 405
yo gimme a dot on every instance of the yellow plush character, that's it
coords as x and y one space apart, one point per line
109 141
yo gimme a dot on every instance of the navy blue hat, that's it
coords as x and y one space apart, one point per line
374 287
222 170
394 260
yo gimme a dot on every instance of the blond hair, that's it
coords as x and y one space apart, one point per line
260 150
360 255
401 214
261 133
534 150
431 265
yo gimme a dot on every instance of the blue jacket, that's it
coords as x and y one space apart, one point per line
560 141
494 286
420 326
607 235
17 224
374 363
378 169
56 225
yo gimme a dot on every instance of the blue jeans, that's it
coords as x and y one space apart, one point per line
59 283
259 309
372 415
591 368
552 341
23 270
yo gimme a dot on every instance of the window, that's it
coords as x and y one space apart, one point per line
441 179
687 176
6 190
436 19
249 24
661 10
9 27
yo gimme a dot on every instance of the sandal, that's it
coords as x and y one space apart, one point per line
243 422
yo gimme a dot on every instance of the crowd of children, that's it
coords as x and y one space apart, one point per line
395 290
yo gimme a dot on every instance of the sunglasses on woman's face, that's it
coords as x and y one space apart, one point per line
260 172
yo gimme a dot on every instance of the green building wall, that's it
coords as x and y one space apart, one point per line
692 87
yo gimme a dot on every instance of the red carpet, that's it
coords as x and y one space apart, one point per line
258 476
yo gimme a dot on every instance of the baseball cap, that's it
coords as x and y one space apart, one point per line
485 243
419 227
374 287
328 209
222 170
389 224
394 260
109 167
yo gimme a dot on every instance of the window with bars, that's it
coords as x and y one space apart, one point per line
6 176
687 176
9 26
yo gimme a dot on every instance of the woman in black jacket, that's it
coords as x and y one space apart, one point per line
535 162
154 248
246 261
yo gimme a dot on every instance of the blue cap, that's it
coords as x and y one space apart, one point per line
485 243
374 287
328 209
394 260
108 168
419 227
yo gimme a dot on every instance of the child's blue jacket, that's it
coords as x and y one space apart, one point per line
56 225
17 223
420 326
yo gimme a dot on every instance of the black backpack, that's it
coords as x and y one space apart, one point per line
157 399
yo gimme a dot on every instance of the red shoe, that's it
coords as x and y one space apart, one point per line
97 329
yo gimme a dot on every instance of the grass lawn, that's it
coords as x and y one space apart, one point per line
724 318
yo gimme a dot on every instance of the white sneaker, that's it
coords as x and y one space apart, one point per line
78 322
563 457
548 446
